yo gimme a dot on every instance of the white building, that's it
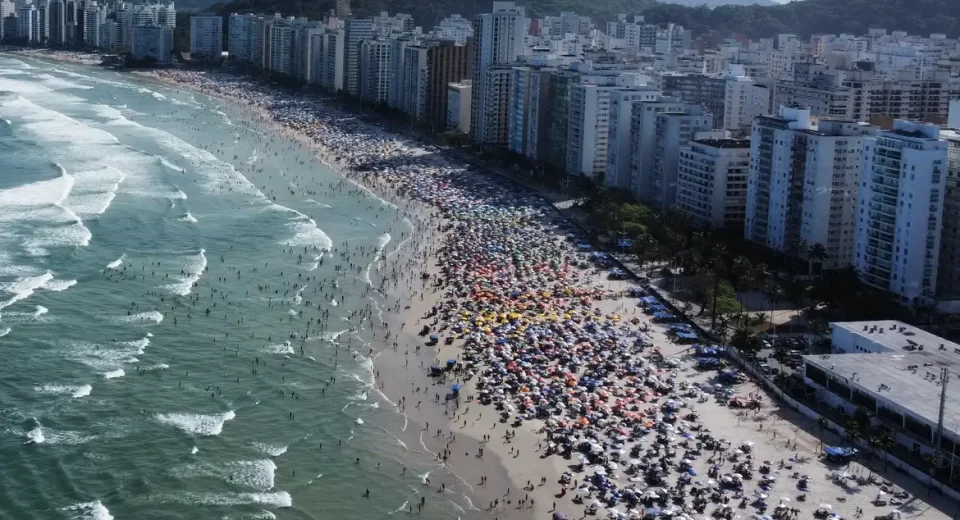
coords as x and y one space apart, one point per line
618 143
744 99
280 45
93 16
109 34
57 22
25 23
206 37
499 38
643 124
529 104
673 131
458 105
332 57
412 84
377 72
899 217
588 122
455 28
240 35
152 41
357 30
802 187
712 182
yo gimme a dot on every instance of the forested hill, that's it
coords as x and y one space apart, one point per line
800 17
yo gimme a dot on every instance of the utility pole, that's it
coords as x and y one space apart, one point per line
944 379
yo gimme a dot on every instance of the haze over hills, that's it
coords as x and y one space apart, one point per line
804 17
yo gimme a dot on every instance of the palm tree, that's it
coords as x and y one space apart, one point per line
818 254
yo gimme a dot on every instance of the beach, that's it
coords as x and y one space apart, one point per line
784 451
537 382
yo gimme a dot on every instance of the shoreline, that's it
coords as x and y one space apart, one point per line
531 465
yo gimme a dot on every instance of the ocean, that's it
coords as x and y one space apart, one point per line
176 294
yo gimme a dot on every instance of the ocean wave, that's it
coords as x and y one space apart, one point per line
117 263
23 288
283 348
149 317
195 266
74 391
114 374
306 233
4 331
187 217
196 424
274 450
275 499
38 434
254 474
88 511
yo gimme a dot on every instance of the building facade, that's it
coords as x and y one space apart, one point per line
499 39
206 37
712 182
900 214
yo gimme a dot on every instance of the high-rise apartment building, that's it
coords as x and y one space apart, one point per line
57 22
673 130
152 41
206 37
802 187
499 39
240 36
357 30
458 105
948 268
900 214
618 144
712 182
643 124
93 15
377 72
529 111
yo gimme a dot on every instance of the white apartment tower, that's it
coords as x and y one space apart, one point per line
499 39
900 215
357 30
618 143
206 37
377 73
239 37
643 124
802 187
712 182
93 15
588 124
673 131
280 44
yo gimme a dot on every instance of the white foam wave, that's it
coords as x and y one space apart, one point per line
196 265
359 420
4 331
275 499
274 450
322 205
306 233
23 288
75 391
197 424
194 450
187 217
59 285
56 83
41 435
89 511
114 374
117 263
254 474
149 317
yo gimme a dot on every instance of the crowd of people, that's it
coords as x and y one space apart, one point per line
535 329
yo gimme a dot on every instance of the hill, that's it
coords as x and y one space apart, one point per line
719 3
756 21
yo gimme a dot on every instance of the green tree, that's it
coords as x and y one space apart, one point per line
745 341
817 255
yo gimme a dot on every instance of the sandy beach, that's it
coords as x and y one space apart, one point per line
564 396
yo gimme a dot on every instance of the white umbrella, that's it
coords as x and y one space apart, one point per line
784 499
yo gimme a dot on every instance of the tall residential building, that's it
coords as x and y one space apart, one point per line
813 87
588 122
948 268
43 21
455 28
499 39
331 75
673 131
412 92
152 41
25 23
449 61
57 22
643 124
712 182
93 15
618 144
377 72
744 100
900 214
281 45
305 33
803 184
206 37
710 92
357 30
458 105
240 35
343 9
529 106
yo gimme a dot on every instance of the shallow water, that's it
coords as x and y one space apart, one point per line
127 212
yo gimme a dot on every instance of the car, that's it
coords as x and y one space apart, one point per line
765 369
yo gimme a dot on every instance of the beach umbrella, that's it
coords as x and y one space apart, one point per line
559 516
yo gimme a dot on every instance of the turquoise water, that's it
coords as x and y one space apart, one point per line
176 292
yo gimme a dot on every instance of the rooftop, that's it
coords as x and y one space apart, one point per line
910 379
724 143
910 375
